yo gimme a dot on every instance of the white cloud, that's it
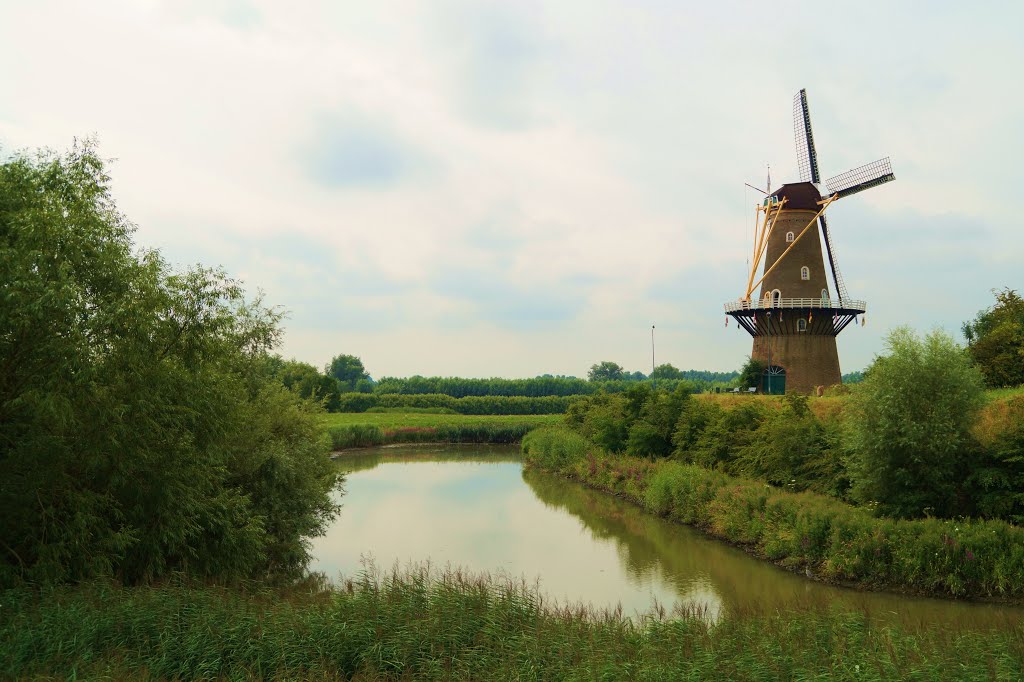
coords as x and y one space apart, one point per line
576 168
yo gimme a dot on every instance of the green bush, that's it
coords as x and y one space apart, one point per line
909 437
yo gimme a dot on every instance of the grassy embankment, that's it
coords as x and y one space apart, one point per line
457 626
348 430
832 540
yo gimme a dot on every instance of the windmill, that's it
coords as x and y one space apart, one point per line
795 318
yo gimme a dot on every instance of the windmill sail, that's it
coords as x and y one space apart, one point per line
806 154
862 178
837 276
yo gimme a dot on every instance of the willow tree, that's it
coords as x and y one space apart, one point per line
140 432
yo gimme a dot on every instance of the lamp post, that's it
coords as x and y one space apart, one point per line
652 356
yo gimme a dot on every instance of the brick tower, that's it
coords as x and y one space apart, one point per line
795 318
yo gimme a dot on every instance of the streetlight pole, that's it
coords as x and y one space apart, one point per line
652 355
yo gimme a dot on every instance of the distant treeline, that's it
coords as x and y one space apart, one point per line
493 404
459 387
344 386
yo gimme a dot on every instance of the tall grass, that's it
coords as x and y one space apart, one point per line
371 429
423 624
820 534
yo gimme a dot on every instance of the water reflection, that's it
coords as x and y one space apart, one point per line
469 506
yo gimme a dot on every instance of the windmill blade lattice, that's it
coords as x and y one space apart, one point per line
862 178
837 276
806 154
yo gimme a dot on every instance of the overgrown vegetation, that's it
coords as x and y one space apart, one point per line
995 340
480 405
345 386
817 533
904 442
386 428
452 625
140 431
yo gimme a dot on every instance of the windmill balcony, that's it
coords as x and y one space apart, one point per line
844 306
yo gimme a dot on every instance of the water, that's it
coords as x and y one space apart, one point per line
475 507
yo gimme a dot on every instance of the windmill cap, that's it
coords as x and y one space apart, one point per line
799 196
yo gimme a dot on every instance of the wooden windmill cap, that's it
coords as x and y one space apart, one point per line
800 196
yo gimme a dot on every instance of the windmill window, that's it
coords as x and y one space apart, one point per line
776 297
790 236
824 294
805 273
801 325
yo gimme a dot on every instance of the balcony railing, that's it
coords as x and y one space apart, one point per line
788 303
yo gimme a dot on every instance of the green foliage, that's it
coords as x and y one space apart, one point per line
605 371
347 430
725 434
458 387
541 386
348 370
996 340
666 371
307 381
751 373
792 448
909 427
832 539
996 479
494 405
141 432
418 624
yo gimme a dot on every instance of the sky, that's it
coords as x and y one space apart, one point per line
471 188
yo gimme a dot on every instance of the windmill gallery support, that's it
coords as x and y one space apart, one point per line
795 317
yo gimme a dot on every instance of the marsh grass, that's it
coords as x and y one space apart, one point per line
347 430
423 623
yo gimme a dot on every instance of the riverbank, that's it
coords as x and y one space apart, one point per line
453 625
368 429
806 532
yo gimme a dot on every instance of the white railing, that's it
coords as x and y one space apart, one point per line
785 303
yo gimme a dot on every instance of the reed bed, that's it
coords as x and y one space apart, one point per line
372 429
426 624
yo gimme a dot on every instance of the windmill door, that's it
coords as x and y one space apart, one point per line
773 381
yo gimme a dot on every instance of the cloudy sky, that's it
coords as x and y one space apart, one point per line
515 188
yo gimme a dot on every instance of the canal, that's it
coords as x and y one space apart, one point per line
475 507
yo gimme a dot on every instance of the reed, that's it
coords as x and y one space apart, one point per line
419 623
372 429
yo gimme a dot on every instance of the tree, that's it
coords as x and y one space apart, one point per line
308 382
348 370
141 432
995 340
605 371
909 426
666 371
751 373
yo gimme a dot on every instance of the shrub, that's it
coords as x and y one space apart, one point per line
910 419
